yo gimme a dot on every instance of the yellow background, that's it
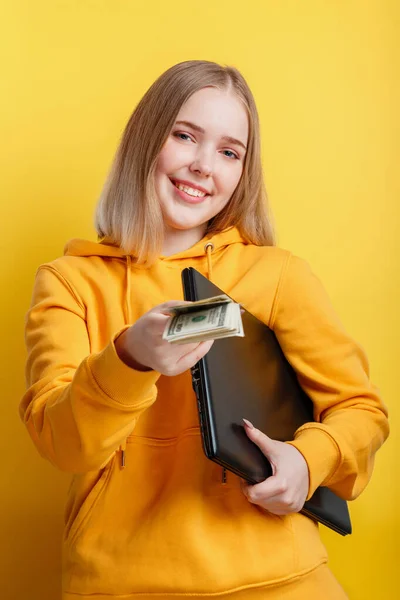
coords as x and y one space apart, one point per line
325 75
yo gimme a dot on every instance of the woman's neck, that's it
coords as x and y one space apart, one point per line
178 240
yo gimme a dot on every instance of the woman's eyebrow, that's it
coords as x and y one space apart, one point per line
227 138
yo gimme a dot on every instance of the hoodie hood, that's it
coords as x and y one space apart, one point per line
105 247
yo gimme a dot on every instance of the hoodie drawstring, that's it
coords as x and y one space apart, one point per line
127 318
128 290
208 249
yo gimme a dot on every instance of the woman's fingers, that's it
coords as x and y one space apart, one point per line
286 490
270 489
163 308
189 359
275 495
265 443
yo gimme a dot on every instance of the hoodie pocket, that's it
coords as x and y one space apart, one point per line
85 492
148 527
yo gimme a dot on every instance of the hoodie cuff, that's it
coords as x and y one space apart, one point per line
122 384
320 452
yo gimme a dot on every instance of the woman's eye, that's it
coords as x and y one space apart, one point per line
230 154
182 136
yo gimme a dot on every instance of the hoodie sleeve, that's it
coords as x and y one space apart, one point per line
79 407
350 419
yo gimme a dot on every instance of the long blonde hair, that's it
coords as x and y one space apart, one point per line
128 212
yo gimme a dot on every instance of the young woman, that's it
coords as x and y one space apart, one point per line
148 516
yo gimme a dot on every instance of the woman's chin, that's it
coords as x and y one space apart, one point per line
189 225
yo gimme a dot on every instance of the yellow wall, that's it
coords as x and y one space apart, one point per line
326 78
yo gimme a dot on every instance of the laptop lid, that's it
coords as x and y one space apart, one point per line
250 378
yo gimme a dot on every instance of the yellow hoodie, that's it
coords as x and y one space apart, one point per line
148 516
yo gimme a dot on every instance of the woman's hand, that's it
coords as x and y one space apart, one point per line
286 490
141 346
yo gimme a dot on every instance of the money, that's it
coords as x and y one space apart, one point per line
209 319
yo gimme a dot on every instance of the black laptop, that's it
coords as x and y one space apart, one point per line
250 377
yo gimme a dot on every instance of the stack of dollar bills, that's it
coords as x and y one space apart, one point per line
210 319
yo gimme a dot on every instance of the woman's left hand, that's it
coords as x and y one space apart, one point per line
286 490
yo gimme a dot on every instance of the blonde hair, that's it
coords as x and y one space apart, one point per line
128 212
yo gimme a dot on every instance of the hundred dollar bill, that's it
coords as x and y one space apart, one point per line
213 318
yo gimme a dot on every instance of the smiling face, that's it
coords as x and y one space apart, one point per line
200 165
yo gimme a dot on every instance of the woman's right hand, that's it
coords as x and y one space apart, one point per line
142 347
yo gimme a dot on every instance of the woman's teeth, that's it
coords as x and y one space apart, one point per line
190 191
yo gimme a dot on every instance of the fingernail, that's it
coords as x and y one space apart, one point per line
249 425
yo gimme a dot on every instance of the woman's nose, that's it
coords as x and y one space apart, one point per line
202 165
201 169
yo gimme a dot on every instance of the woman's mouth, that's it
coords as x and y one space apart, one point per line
189 194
